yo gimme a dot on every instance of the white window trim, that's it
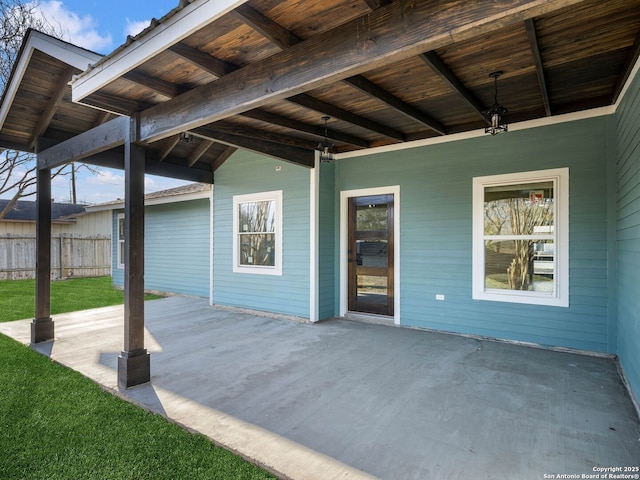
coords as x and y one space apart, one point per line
560 297
118 241
258 197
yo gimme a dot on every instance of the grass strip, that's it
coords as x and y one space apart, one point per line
17 297
57 424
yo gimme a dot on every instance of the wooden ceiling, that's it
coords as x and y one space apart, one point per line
262 76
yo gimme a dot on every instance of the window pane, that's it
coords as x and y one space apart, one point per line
257 249
525 209
121 252
371 217
372 253
372 289
257 216
121 228
520 265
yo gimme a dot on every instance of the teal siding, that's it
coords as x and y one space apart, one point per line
436 231
628 234
327 300
246 173
176 248
117 274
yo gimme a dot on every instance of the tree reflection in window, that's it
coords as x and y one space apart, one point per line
519 236
257 227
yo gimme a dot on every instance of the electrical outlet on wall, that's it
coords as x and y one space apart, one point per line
439 296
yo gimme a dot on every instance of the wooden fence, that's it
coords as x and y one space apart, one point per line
71 256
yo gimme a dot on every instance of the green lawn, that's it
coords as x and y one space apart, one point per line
57 424
17 297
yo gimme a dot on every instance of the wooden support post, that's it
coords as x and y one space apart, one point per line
42 325
134 366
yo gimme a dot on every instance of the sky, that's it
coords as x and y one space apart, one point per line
102 26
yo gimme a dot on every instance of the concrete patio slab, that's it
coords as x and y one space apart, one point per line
349 400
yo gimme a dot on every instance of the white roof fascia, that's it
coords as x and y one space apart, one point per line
63 51
190 19
185 197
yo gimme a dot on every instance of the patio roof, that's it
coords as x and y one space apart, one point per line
260 75
213 76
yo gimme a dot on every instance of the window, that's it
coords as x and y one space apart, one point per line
120 240
257 227
521 238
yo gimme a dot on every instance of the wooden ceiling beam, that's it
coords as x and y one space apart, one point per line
367 86
203 60
630 63
101 118
284 39
172 168
114 104
266 27
223 157
54 102
280 120
376 4
199 151
440 68
370 41
318 131
537 58
169 144
246 131
296 155
94 141
339 113
162 87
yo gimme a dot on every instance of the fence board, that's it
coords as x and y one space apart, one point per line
71 256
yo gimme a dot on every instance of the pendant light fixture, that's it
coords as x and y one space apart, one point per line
325 148
496 116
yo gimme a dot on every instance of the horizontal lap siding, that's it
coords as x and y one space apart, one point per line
327 304
176 248
287 294
117 274
628 234
177 237
436 231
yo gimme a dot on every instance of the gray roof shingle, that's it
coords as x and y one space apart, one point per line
26 211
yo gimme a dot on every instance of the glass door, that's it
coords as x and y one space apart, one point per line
370 270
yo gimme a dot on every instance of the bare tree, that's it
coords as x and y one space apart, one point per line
510 213
524 217
257 233
18 169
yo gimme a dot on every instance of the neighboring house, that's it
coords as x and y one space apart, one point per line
423 219
177 240
80 241
66 218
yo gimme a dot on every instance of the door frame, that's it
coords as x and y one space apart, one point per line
344 244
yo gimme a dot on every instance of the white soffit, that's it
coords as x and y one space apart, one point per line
70 54
190 19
